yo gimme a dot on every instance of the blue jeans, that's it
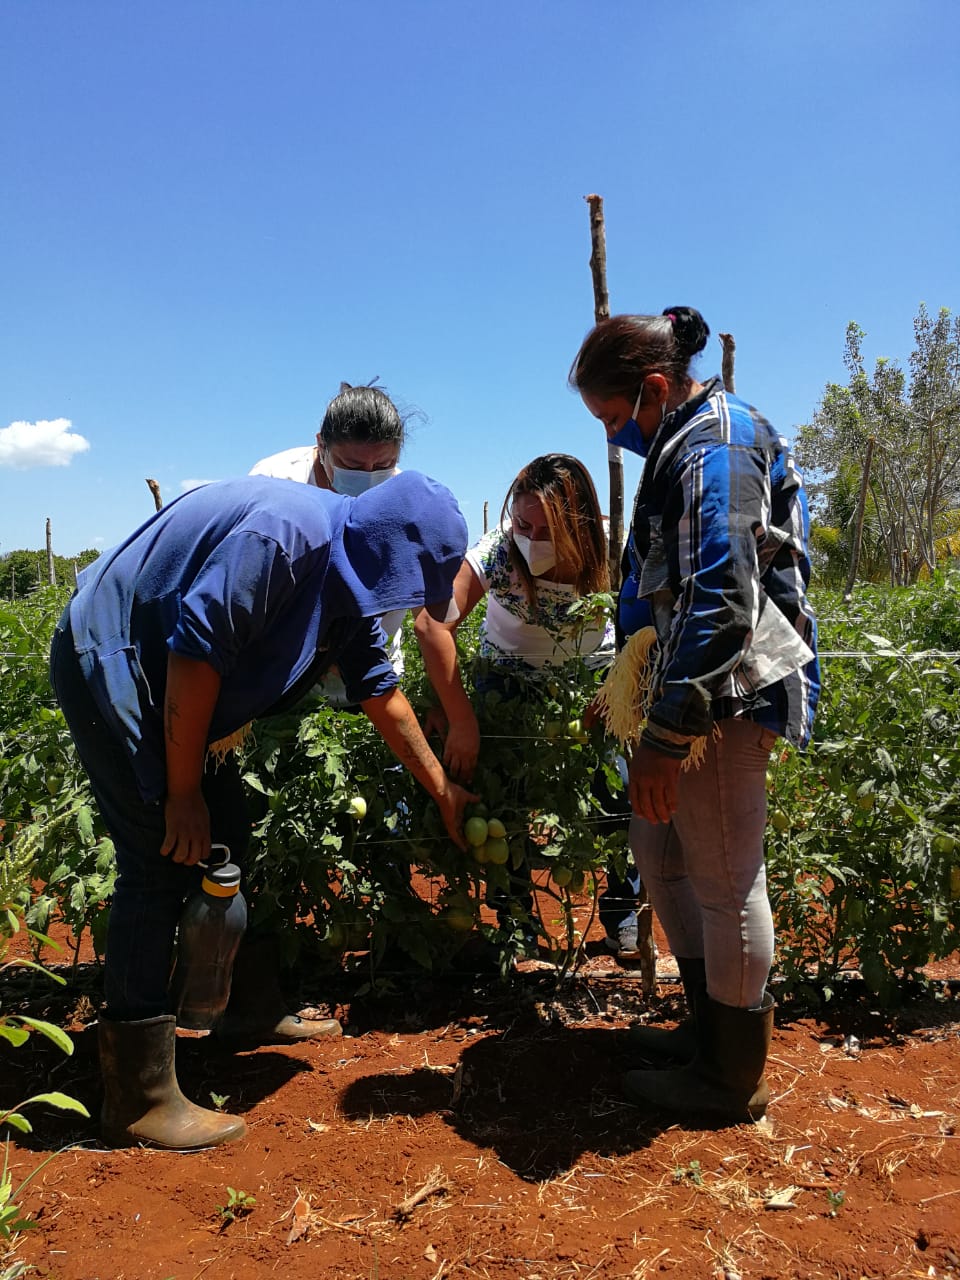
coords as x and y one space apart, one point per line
150 890
705 871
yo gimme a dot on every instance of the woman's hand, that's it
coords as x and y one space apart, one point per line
461 748
435 722
591 712
461 740
188 828
653 783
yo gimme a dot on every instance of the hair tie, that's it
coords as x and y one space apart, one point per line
670 316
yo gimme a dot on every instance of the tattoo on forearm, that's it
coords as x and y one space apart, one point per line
170 714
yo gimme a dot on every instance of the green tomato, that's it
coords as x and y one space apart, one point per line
943 844
475 831
336 936
480 853
498 851
576 731
357 808
856 911
495 829
458 919
561 875
477 809
779 820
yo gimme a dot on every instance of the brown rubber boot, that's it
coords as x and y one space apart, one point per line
257 1011
142 1102
725 1080
679 1044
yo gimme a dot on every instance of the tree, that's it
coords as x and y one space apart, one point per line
831 538
21 572
915 478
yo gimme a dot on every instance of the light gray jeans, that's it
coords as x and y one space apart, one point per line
704 871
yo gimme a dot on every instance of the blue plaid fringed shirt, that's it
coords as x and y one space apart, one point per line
718 562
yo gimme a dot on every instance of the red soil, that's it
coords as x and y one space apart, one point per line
467 1127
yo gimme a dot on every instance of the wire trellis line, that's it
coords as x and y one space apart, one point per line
921 655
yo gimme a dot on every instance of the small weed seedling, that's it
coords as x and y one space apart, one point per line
689 1173
835 1200
239 1203
219 1100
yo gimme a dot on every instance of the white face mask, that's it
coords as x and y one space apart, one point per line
352 483
540 556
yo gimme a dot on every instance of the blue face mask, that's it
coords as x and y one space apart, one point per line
630 436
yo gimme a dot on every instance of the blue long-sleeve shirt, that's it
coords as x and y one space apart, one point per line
718 550
269 582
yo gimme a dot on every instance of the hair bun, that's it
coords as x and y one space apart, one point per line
690 329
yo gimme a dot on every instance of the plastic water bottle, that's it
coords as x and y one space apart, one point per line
213 922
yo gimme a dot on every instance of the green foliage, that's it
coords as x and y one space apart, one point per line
863 841
831 545
16 1031
23 572
46 809
915 473
239 1203
863 837
335 882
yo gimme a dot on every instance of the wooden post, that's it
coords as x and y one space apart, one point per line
729 348
858 522
51 567
486 509
598 258
601 311
155 490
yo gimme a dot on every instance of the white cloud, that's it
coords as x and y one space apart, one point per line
187 485
40 444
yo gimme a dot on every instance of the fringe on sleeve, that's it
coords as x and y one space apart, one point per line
219 750
624 698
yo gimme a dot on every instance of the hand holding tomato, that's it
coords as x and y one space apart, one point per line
452 803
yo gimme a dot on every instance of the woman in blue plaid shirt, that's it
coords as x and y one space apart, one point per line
719 564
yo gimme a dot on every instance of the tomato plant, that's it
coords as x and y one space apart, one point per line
862 827
863 837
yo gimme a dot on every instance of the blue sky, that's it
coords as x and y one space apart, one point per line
212 213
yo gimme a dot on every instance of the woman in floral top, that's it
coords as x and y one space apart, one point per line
549 551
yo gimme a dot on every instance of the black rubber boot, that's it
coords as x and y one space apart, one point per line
257 1012
725 1080
142 1102
679 1044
